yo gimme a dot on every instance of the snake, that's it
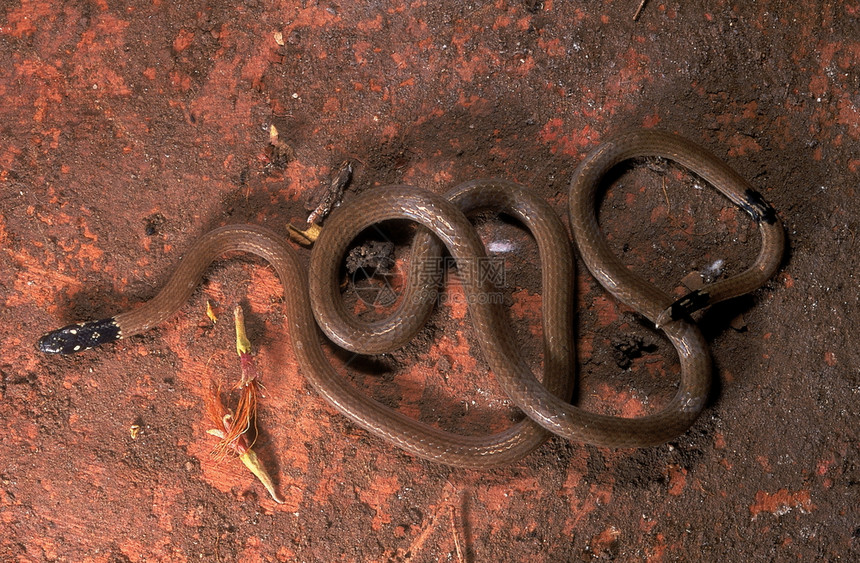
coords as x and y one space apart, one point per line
315 308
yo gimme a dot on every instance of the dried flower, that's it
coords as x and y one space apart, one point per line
232 429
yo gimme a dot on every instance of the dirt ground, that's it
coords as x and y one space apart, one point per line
128 129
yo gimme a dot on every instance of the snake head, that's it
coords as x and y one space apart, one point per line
79 336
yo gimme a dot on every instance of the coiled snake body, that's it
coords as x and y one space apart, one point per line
314 301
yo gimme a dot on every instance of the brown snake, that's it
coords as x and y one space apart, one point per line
546 404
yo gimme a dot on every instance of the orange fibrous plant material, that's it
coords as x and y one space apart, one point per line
232 428
229 428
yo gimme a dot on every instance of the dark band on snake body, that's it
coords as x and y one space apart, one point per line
689 304
80 336
758 208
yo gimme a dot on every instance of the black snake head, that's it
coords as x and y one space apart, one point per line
79 336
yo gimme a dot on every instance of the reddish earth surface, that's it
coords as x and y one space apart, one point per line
129 129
